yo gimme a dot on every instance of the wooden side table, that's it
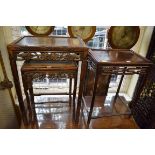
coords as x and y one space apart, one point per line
47 48
40 70
109 62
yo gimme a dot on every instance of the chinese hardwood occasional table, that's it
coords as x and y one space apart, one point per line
49 48
111 62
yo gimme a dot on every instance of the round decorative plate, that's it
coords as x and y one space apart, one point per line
123 37
40 30
84 32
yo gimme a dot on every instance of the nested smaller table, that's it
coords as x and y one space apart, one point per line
109 62
32 70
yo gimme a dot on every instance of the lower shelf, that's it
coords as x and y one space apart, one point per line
104 106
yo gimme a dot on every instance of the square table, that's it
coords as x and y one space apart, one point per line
112 62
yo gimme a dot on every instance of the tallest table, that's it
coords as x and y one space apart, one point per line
46 48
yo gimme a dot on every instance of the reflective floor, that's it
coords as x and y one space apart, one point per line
59 115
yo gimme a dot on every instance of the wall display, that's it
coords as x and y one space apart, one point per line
84 32
40 30
123 37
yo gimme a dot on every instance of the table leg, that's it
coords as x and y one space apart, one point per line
27 98
82 77
35 120
70 91
93 99
74 95
18 89
119 86
118 89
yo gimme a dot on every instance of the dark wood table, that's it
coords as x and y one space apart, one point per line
47 48
112 62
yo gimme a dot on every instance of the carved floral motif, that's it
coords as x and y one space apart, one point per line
50 56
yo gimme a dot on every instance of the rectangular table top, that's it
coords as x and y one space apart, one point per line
48 43
117 57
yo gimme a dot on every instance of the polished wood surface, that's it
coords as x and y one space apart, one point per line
116 57
46 43
48 65
60 116
104 106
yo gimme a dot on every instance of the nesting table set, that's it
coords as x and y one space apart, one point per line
54 49
73 50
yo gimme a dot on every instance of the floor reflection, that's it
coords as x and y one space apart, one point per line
58 115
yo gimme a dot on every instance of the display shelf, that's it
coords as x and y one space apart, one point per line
105 106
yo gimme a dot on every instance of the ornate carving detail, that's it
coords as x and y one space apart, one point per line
126 70
55 56
25 56
5 84
62 75
29 76
143 107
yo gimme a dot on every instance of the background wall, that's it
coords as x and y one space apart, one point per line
141 48
8 118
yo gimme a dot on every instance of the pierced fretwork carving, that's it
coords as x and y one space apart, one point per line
143 108
126 70
29 76
55 56
51 75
